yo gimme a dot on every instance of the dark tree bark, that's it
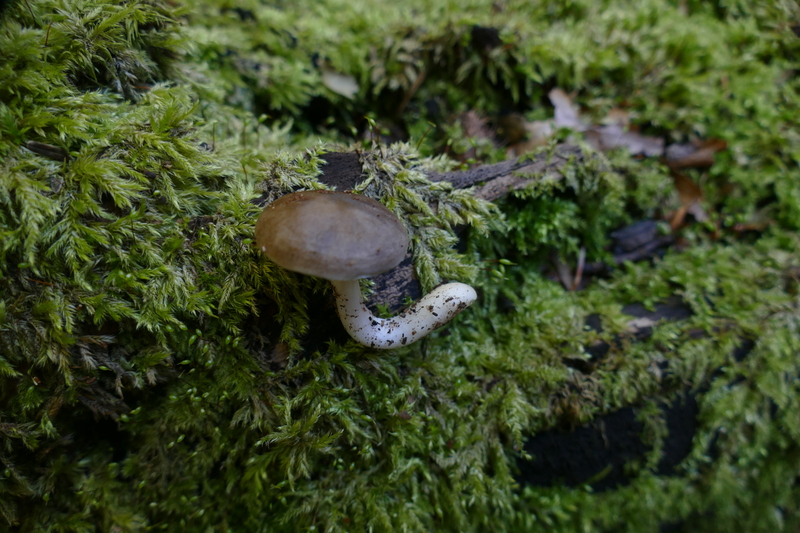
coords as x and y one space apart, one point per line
492 182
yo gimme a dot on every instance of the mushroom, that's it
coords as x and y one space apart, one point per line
343 237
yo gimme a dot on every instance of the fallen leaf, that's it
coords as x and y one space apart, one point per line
688 191
702 158
537 133
475 125
694 155
566 114
690 196
716 144
339 83
615 133
614 136
633 236
618 116
521 135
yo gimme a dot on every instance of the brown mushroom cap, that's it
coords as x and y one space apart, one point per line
331 235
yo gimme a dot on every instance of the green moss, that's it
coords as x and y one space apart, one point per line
156 373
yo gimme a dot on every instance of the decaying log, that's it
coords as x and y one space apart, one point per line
595 453
491 182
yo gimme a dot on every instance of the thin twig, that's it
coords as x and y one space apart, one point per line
411 90
47 36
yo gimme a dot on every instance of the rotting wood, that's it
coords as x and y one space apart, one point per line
491 182
495 181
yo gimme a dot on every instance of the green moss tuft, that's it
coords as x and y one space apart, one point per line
157 373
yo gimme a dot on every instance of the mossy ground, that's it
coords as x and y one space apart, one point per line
156 373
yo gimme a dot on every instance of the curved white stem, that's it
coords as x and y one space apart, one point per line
434 310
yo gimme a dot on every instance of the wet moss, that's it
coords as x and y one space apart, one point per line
157 373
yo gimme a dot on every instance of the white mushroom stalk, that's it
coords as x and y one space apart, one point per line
344 236
433 311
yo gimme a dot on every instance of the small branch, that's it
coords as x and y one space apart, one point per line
492 182
47 150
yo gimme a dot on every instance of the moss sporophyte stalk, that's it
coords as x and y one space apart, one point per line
158 372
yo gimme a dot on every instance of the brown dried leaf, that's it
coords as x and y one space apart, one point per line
618 116
688 191
522 136
695 155
690 195
475 125
615 136
539 131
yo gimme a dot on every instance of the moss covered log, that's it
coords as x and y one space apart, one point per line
157 373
